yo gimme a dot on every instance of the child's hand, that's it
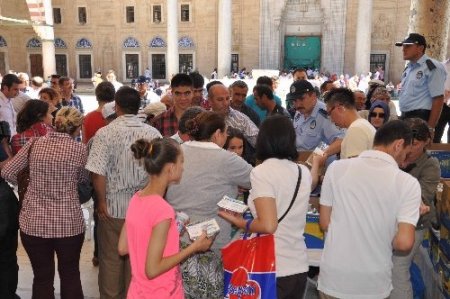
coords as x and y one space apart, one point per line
203 243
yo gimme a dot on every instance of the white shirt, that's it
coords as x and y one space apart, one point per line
369 196
277 179
7 113
358 138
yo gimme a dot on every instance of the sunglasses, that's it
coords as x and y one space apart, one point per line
377 114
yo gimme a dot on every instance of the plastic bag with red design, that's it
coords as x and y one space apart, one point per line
249 268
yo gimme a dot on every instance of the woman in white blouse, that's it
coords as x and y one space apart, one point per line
274 183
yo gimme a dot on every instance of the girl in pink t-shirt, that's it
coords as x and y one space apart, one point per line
150 234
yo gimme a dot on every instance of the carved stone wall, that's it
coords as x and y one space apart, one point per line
431 18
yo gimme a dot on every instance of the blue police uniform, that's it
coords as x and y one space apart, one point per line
421 82
316 128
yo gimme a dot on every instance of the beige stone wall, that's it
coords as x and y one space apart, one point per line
106 28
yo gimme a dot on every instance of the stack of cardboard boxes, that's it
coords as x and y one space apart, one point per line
439 241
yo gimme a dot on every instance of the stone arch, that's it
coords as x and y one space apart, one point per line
185 42
60 43
131 42
157 42
83 43
3 42
34 43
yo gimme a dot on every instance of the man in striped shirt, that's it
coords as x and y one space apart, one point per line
116 176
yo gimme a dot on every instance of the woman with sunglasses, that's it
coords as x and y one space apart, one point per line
378 114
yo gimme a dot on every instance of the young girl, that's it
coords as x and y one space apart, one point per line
150 234
235 141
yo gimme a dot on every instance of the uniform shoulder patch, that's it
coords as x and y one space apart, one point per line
323 112
430 64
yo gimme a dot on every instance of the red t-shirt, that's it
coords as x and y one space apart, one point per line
92 122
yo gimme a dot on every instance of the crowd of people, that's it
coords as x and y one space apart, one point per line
150 156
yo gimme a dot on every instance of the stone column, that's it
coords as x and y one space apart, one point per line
48 57
363 37
172 38
46 33
224 38
431 19
333 35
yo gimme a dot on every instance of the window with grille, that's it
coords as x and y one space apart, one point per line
157 13
158 66
85 66
82 15
57 15
186 62
185 13
235 63
61 64
130 14
377 62
132 66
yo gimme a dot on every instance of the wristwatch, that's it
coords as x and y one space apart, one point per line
431 129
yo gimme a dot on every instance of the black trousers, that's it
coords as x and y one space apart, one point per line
419 113
292 287
9 209
444 119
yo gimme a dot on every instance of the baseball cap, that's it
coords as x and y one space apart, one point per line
413 39
142 79
298 89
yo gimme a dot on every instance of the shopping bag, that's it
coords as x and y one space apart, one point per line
249 268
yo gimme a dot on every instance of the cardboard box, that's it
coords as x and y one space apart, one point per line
444 271
444 242
314 237
441 151
443 205
434 248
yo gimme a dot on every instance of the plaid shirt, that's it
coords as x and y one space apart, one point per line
20 139
166 123
51 208
74 101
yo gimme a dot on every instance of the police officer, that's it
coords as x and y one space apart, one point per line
422 86
311 121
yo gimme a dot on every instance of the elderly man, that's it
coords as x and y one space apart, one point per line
422 91
311 121
369 207
219 98
238 91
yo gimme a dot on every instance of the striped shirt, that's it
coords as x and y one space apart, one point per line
242 122
51 207
111 156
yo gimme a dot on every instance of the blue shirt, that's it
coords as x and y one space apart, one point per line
75 101
314 129
420 84
250 101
